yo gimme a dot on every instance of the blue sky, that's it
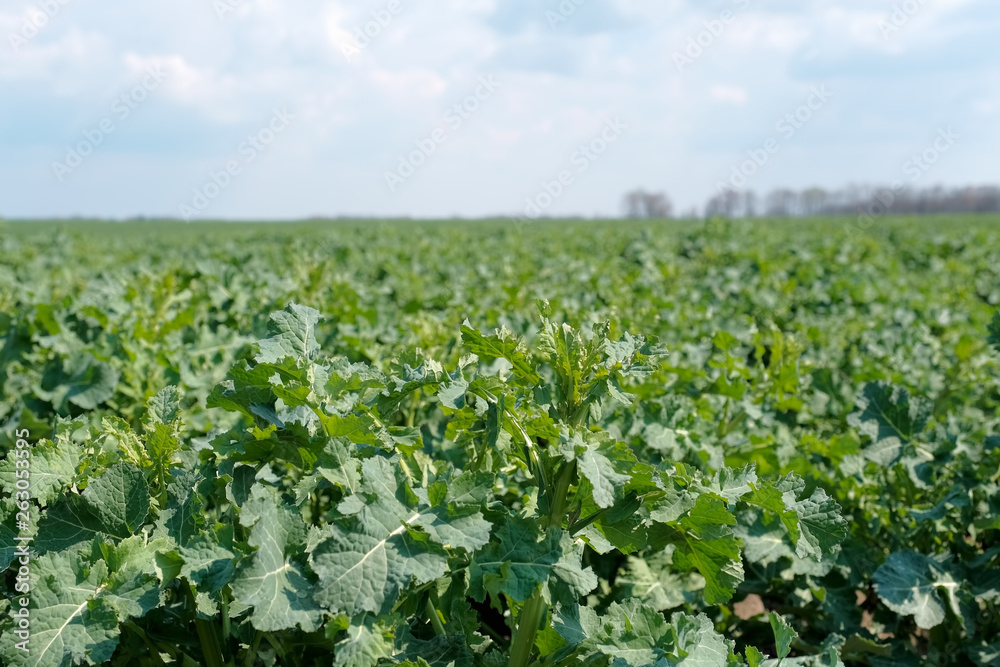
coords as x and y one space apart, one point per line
175 103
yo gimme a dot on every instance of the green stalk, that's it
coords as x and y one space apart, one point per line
557 509
226 627
210 647
535 609
251 659
432 614
523 643
154 651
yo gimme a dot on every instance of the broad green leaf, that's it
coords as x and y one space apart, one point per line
273 581
597 468
501 345
367 642
369 558
890 417
441 651
164 408
67 524
292 333
652 581
697 643
207 564
53 469
182 518
120 499
243 481
79 379
708 545
71 622
908 583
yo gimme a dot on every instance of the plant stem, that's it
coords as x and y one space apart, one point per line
534 610
251 658
432 614
224 609
210 647
557 508
154 651
523 643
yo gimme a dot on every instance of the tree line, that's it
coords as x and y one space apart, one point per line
851 200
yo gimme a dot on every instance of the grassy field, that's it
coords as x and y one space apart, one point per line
803 442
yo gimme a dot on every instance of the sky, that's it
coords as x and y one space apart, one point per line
260 109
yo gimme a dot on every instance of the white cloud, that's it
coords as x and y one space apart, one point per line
354 119
737 95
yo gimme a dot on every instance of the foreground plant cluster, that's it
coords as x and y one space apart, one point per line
626 447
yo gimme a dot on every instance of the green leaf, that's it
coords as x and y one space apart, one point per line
71 622
337 466
697 644
653 581
890 417
784 635
207 564
67 524
272 581
597 468
908 583
243 481
470 532
164 408
369 558
501 345
754 657
292 333
814 523
994 328
364 570
442 651
636 635
519 561
367 642
120 499
53 469
115 504
708 545
80 379
628 631
182 518
734 484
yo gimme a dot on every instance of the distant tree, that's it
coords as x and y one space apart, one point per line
814 201
643 205
856 199
781 204
723 205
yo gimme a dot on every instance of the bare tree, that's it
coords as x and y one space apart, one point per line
640 204
855 199
723 205
814 201
781 204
